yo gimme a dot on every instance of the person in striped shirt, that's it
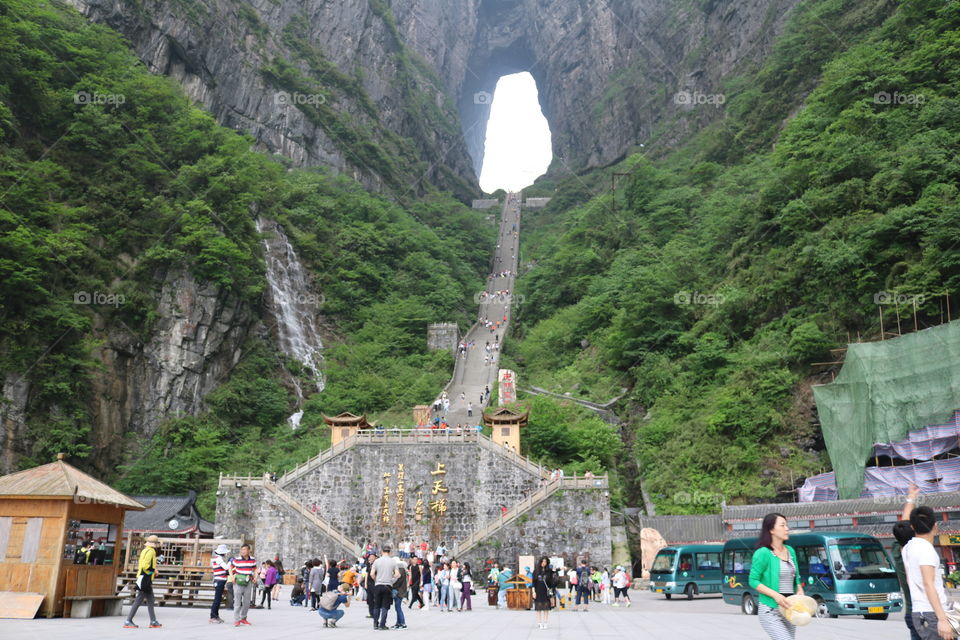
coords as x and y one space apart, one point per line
221 568
243 573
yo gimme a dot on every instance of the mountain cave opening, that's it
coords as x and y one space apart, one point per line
517 148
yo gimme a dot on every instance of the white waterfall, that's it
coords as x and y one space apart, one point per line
294 306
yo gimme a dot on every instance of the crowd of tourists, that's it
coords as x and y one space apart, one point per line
415 577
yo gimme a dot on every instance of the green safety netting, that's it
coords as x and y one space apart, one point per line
884 390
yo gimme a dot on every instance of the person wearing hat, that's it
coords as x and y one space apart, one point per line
221 569
243 573
146 569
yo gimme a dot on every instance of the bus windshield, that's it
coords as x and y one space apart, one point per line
664 562
855 559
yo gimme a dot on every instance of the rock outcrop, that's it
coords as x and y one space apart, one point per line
611 74
143 381
320 83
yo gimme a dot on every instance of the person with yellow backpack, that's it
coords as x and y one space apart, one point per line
146 570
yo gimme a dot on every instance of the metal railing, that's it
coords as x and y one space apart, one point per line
264 482
510 515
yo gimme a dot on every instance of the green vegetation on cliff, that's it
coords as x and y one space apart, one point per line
724 271
110 181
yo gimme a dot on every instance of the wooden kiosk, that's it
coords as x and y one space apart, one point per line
519 594
505 426
344 425
46 514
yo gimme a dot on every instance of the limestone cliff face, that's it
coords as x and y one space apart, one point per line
143 380
320 83
608 71
192 349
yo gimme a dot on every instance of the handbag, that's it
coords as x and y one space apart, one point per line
553 602
242 580
952 611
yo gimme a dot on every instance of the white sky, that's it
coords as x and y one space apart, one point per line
517 149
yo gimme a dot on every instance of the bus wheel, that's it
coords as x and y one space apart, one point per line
876 616
822 611
749 605
667 595
690 591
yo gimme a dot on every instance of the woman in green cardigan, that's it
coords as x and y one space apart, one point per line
774 575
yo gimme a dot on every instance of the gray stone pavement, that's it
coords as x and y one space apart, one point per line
706 617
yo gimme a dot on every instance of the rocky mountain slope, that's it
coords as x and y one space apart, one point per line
609 73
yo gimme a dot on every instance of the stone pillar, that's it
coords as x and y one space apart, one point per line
443 336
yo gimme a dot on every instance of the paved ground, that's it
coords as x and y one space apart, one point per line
470 374
704 618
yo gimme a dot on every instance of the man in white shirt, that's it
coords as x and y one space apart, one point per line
925 578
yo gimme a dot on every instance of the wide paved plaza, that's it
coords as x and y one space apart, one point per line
705 618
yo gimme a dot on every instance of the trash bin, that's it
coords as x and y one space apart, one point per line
492 595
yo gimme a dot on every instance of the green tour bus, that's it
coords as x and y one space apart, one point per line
846 573
688 569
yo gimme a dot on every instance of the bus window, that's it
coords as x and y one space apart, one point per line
860 559
738 561
663 563
817 562
686 562
812 561
707 561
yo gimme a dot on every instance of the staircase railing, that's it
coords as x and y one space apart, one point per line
417 435
528 503
316 460
521 461
264 482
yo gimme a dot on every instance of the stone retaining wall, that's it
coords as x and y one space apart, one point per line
572 523
348 492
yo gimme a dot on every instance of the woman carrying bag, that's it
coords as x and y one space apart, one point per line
544 582
775 577
466 578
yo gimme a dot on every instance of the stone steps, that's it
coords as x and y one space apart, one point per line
349 545
418 436
528 503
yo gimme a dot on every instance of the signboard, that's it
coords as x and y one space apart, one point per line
508 386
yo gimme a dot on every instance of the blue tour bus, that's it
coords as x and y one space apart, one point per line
688 569
846 573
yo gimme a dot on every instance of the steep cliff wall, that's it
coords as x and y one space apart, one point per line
608 72
321 83
191 351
